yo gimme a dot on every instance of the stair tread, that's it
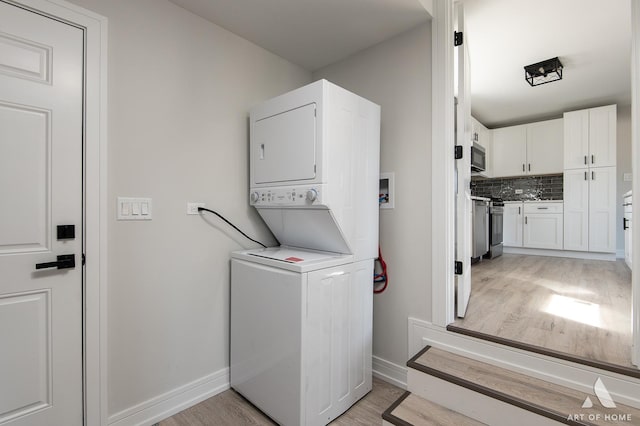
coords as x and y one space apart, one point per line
410 409
519 389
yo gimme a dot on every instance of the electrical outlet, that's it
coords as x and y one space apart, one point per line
192 208
519 191
627 177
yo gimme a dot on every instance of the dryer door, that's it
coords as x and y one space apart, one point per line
283 146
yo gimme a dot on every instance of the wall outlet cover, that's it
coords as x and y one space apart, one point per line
628 177
192 207
519 191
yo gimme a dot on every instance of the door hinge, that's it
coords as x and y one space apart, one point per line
458 152
84 259
458 38
458 267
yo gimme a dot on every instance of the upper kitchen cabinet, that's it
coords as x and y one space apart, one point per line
528 149
544 143
590 138
509 151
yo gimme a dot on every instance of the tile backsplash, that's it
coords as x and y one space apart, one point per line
547 187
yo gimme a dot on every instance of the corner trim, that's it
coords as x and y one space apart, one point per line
174 401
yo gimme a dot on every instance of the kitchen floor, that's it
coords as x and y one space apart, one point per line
581 307
229 408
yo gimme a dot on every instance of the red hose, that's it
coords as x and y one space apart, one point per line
382 275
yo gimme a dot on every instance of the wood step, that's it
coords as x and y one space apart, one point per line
513 391
411 410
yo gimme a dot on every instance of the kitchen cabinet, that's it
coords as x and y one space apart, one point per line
544 147
528 149
509 152
590 209
543 225
512 224
590 138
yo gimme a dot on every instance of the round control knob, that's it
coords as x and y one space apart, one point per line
312 194
254 197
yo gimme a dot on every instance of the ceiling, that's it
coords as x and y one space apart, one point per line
311 33
592 38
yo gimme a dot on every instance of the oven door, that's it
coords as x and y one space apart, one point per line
497 216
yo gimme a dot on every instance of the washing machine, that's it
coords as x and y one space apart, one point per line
301 332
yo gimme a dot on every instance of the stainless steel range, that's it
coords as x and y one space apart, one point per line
496 216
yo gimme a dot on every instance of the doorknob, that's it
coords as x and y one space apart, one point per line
64 261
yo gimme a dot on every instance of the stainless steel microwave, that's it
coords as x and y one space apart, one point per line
478 158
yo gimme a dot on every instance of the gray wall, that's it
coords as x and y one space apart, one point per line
396 74
623 154
179 92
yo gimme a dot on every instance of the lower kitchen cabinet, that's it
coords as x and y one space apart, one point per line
590 209
512 224
543 230
543 225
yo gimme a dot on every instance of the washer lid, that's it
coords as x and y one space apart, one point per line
293 259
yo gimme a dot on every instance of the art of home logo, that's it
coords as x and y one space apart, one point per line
604 397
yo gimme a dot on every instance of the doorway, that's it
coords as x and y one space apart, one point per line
589 265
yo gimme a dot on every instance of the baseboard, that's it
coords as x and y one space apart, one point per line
623 389
561 253
389 372
172 402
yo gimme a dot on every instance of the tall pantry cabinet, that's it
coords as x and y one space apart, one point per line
590 180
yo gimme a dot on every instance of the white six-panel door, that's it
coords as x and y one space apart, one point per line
41 131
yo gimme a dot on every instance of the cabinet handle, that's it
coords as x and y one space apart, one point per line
518 211
624 224
585 159
593 160
525 220
529 166
523 167
585 173
593 175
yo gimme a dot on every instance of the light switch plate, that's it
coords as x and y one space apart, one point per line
129 208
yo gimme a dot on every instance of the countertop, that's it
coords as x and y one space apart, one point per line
473 197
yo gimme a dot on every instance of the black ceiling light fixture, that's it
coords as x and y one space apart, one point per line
543 72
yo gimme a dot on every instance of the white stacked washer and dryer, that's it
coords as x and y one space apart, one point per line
301 313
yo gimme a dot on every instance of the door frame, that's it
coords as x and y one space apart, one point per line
442 149
94 324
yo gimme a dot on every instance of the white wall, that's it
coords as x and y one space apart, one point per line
396 74
623 164
179 91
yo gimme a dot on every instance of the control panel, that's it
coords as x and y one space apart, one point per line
294 196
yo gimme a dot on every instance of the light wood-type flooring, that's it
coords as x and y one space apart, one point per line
229 408
581 307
